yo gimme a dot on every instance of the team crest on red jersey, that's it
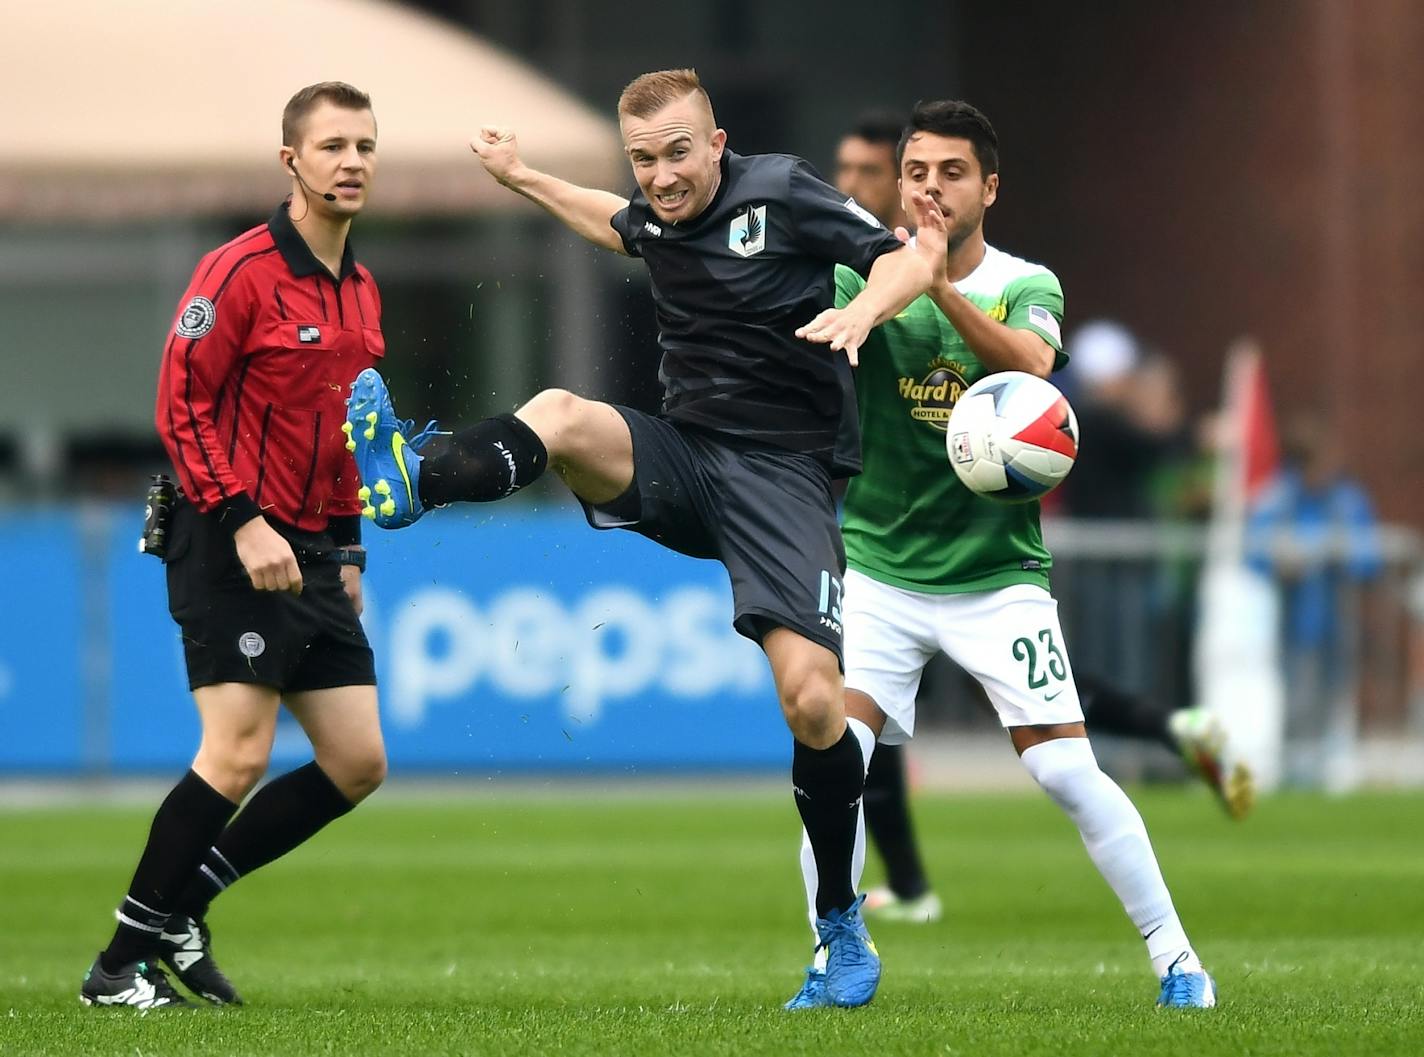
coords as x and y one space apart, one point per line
198 317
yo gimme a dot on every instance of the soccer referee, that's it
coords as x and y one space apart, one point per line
264 560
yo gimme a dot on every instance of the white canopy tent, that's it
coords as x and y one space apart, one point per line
172 107
134 136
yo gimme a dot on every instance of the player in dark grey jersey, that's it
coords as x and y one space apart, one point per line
758 417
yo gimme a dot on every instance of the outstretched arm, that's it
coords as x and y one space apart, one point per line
896 279
584 210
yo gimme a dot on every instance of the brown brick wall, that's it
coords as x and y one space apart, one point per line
1209 170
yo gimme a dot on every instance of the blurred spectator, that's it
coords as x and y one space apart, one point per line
866 169
1130 421
1313 530
1136 461
1183 488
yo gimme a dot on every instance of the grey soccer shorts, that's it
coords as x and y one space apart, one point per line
767 514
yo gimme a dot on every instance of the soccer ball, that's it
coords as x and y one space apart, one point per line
1012 437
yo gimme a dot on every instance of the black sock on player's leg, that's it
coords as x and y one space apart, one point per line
489 460
283 814
887 819
215 875
184 827
1108 710
828 784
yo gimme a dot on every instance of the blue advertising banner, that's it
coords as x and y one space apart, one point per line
504 642
42 647
535 642
152 724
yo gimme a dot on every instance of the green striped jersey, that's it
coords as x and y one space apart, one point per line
908 521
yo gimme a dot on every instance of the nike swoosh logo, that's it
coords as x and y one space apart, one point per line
1050 697
397 446
1148 935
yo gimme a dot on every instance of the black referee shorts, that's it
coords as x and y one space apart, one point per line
233 633
765 513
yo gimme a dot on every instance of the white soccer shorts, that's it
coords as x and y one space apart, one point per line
1008 639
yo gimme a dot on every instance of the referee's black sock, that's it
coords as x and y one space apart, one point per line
828 784
887 818
281 815
214 876
186 824
490 460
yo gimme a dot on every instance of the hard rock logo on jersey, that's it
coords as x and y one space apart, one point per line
747 234
935 396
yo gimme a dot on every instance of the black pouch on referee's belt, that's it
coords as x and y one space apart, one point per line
158 516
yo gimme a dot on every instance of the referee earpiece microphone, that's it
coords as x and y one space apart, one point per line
292 164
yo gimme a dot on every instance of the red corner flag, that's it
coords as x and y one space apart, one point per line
1255 424
1248 452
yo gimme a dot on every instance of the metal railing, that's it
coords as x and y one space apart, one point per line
1128 595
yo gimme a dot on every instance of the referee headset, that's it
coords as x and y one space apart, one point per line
292 164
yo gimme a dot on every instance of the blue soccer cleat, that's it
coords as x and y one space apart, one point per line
813 993
1184 990
386 460
852 962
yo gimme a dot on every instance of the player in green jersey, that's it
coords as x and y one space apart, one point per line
866 170
933 568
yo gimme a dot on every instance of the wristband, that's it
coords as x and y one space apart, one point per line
350 556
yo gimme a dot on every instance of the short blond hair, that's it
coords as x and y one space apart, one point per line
649 93
337 93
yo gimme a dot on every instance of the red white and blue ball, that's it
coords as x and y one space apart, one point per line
1012 437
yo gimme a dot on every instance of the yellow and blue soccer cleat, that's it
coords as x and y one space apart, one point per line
852 962
1184 990
813 993
388 463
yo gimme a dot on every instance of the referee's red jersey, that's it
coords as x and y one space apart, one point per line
251 394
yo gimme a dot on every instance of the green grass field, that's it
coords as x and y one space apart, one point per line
668 922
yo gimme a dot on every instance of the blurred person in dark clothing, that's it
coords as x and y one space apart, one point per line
866 169
1129 422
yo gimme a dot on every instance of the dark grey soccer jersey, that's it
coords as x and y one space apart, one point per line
730 288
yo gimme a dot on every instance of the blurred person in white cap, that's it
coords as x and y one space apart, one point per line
1126 431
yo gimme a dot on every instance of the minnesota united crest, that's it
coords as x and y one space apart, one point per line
747 234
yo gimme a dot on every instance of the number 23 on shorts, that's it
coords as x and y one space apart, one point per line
1025 649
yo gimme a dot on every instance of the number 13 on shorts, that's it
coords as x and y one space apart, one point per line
829 606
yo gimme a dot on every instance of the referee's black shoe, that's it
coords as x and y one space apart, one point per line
187 949
138 985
